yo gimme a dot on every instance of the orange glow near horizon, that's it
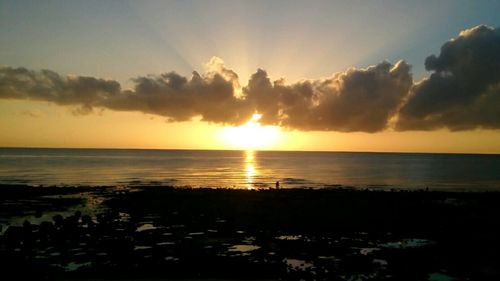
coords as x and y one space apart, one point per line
113 129
251 135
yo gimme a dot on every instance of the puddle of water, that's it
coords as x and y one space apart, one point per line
382 263
438 276
367 251
124 217
289 237
138 248
407 243
72 266
169 258
165 243
332 258
145 227
151 217
296 264
249 240
196 233
243 248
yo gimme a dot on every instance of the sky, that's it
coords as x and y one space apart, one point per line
419 76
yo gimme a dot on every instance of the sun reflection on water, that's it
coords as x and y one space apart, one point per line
250 171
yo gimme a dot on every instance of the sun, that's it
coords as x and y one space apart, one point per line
251 135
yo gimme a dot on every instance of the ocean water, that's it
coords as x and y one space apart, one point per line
248 169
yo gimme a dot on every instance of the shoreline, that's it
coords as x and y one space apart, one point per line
257 187
291 234
36 203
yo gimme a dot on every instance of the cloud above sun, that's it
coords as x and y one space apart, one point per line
461 93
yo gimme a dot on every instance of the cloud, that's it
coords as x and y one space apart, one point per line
178 98
209 96
46 85
463 92
355 100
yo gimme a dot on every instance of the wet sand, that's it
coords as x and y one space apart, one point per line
142 233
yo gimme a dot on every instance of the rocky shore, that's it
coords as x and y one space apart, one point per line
133 233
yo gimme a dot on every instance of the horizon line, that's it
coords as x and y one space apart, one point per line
263 150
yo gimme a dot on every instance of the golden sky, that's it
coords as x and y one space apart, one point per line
340 76
39 124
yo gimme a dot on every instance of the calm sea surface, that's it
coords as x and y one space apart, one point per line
248 169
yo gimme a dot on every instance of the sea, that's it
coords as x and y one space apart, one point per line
249 169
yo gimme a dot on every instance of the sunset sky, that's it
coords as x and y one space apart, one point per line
421 76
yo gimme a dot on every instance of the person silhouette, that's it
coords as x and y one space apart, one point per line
277 184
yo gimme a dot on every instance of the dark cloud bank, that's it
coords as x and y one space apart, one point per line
463 92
